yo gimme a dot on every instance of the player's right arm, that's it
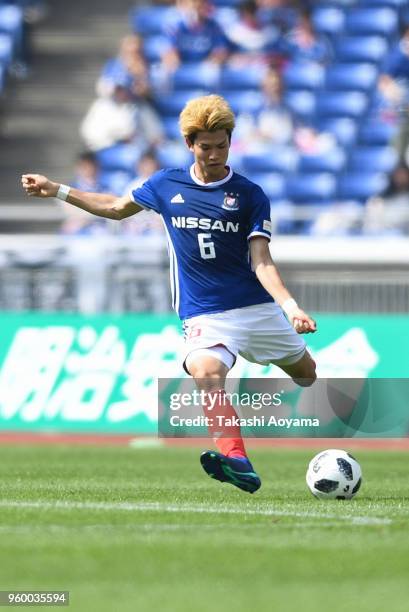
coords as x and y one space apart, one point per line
101 204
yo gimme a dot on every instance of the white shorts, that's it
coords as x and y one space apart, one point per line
261 334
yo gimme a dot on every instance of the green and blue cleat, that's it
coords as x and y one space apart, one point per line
238 472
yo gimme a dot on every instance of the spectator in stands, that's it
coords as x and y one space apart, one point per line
282 14
389 213
309 141
145 222
302 43
393 90
87 178
131 63
194 36
397 62
272 124
147 165
121 117
250 39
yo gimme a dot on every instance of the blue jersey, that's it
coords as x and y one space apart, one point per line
208 227
195 42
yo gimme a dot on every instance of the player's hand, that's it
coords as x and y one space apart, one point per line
302 323
39 186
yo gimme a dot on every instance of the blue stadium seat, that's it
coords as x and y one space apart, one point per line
373 159
272 184
2 77
311 188
301 103
149 20
392 3
239 79
172 155
118 157
116 182
361 186
171 128
244 101
11 19
382 21
275 159
170 105
6 49
328 20
330 161
343 128
12 23
196 75
303 75
227 3
361 49
341 104
375 132
360 77
153 47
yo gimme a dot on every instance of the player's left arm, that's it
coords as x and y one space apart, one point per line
269 276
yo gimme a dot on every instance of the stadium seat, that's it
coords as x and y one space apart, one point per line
301 103
227 3
392 3
373 159
11 20
375 132
116 182
303 75
173 155
341 104
343 128
149 20
6 49
274 159
330 161
196 75
312 188
382 21
328 20
119 157
244 101
361 186
170 105
2 77
171 127
361 49
351 76
272 184
235 79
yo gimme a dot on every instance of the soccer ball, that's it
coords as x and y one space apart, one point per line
334 474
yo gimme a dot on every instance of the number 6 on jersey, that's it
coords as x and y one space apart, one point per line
207 250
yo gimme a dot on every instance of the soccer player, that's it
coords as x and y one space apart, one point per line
225 285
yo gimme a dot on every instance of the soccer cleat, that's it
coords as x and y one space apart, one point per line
238 472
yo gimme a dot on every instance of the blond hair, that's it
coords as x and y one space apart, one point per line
206 114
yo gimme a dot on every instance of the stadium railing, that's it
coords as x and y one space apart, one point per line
340 274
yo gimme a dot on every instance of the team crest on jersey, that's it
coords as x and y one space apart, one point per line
231 201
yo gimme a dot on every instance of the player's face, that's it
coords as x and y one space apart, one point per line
211 150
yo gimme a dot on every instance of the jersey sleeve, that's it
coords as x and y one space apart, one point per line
260 215
147 195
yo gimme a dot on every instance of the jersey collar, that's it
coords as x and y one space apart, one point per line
215 183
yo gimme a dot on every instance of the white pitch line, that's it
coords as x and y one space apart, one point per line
189 508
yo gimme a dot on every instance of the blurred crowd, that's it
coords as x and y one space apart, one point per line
128 131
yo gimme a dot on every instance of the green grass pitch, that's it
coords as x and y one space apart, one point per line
128 529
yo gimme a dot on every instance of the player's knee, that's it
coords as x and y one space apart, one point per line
209 374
